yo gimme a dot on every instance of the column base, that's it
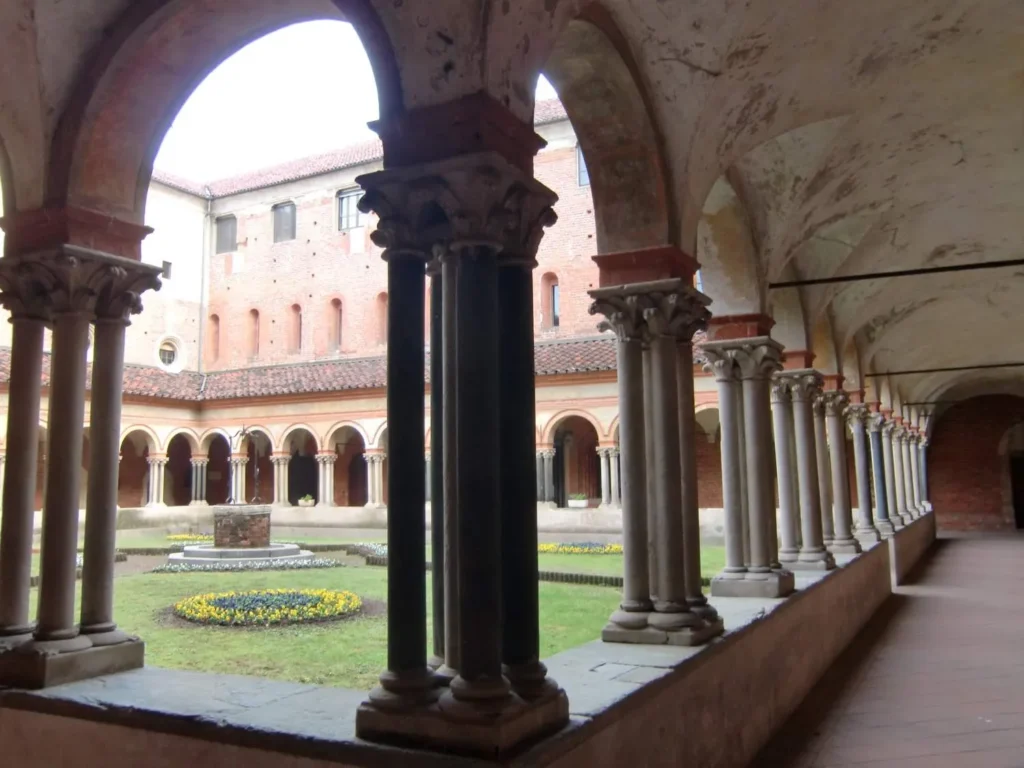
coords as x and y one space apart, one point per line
449 725
844 547
907 518
867 535
700 634
30 666
787 556
775 584
814 561
11 637
885 528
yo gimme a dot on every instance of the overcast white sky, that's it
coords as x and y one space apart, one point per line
299 91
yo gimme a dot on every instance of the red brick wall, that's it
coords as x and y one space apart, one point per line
709 472
318 267
131 477
967 476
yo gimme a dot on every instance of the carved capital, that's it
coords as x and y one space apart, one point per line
804 385
835 402
548 453
676 310
782 389
876 422
721 363
624 315
857 413
756 358
889 428
467 201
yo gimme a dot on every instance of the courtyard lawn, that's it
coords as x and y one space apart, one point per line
349 653
712 560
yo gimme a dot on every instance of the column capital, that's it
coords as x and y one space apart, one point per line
835 402
156 460
857 413
757 357
782 389
486 201
876 422
326 457
888 428
280 458
202 462
804 384
547 453
669 307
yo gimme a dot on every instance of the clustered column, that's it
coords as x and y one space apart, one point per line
199 467
605 457
375 479
884 521
80 287
548 458
915 480
893 460
922 448
660 522
325 478
843 541
857 416
157 466
789 507
482 218
616 495
238 463
805 390
280 462
751 362
824 468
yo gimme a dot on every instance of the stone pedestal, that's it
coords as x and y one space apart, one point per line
30 667
241 526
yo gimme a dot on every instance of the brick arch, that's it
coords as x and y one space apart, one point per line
148 63
210 435
188 434
592 68
152 441
282 443
553 423
326 438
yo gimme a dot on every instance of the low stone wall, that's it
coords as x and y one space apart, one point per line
719 707
908 546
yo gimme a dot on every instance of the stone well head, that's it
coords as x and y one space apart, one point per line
241 526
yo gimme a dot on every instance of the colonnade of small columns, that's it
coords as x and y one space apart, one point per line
610 475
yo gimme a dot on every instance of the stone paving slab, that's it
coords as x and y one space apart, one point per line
936 680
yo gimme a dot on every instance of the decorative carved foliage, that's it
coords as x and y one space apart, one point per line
835 403
876 422
756 358
805 387
663 308
857 414
782 390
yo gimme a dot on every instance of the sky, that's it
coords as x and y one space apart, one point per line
302 90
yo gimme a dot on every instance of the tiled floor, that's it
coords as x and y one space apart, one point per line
935 681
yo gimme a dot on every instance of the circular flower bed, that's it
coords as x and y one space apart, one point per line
580 548
190 538
264 607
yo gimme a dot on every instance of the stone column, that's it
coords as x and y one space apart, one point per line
782 420
857 415
889 463
156 463
199 481
843 541
923 457
280 463
915 473
899 475
824 471
450 380
604 456
883 522
756 359
549 475
726 372
624 315
435 462
905 473
616 496
540 476
805 389
23 297
325 468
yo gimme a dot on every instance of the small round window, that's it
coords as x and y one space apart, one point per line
168 353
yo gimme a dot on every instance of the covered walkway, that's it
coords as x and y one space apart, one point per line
936 679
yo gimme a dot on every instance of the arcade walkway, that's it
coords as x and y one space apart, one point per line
936 680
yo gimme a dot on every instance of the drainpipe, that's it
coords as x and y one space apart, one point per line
205 275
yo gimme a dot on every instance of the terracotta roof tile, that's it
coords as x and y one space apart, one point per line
553 357
549 111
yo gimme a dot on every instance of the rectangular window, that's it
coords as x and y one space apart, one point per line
582 174
349 215
284 222
555 309
167 270
227 234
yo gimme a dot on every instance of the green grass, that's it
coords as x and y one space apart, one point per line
348 653
712 560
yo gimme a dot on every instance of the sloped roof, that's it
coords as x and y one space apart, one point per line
549 111
555 357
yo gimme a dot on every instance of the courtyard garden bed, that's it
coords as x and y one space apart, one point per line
268 607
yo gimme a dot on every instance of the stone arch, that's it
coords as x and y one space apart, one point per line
289 433
577 468
180 450
148 64
301 444
553 423
380 437
151 439
210 435
592 68
137 444
188 434
727 251
258 446
348 442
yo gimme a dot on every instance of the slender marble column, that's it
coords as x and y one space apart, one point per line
865 532
899 476
604 456
889 464
549 475
449 283
55 627
723 365
805 389
923 449
18 495
824 467
782 413
624 316
915 473
883 521
843 541
435 463
541 494
905 474
616 495
97 615
650 488
280 479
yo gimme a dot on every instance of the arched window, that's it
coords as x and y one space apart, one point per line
214 338
254 334
382 318
295 332
549 301
335 321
